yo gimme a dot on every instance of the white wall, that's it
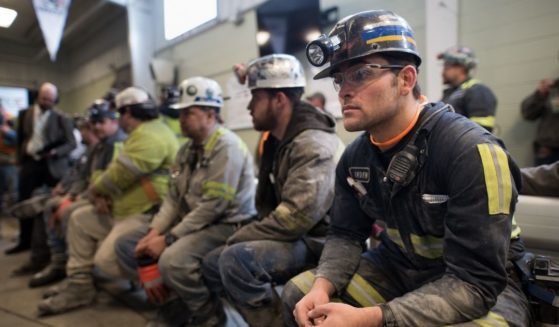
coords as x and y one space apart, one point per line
517 43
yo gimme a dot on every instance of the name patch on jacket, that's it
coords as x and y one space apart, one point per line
361 174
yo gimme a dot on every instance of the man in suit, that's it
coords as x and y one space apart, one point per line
45 140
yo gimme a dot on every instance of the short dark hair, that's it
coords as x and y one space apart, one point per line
402 58
141 111
294 94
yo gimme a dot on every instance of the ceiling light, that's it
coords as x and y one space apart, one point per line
7 17
262 37
312 35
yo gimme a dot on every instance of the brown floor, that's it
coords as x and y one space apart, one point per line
116 304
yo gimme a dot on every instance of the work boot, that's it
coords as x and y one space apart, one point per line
54 290
51 274
214 317
72 296
29 268
265 315
20 247
174 313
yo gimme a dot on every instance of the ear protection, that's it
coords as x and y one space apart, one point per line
404 165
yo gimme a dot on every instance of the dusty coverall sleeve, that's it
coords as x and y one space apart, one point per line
477 235
218 190
306 195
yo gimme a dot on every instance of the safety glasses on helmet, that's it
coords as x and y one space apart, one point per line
360 74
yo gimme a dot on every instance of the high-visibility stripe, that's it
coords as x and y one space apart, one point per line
387 33
213 140
488 121
492 319
498 182
466 85
391 38
394 236
363 293
427 246
107 183
304 281
128 163
217 189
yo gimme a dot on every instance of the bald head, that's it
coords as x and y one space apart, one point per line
48 93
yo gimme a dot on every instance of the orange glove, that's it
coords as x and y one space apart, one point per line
151 281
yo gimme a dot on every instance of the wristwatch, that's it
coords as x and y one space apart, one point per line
169 238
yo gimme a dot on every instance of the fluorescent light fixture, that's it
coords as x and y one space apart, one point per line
7 17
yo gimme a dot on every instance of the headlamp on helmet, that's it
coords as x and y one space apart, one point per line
99 110
320 51
363 34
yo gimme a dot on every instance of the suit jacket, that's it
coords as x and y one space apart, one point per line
58 135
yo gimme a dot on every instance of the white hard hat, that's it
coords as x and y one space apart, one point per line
275 71
133 96
199 91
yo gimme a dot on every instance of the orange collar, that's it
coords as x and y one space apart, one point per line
399 137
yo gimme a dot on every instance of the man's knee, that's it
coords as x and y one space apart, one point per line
233 265
176 265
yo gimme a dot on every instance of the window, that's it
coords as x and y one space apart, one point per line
182 16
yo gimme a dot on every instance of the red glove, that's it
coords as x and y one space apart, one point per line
56 217
151 281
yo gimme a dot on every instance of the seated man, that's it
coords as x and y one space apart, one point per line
105 127
131 187
542 180
211 196
444 186
294 193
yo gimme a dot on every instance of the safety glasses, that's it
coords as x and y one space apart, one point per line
359 75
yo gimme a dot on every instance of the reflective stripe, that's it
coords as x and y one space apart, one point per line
427 246
491 320
107 183
466 85
497 178
304 281
243 147
391 38
488 121
363 293
128 163
208 148
394 236
217 189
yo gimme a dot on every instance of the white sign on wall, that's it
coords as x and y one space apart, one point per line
238 115
13 99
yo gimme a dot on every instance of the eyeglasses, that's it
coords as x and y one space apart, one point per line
360 74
